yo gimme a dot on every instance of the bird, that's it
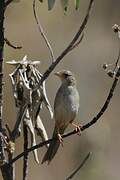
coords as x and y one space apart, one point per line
66 106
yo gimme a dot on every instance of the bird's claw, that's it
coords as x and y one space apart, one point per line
60 139
77 128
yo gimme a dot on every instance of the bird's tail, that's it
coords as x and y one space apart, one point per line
53 147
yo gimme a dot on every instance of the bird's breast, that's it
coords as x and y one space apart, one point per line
66 105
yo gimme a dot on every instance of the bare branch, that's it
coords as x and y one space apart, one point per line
78 42
11 45
2 150
42 31
8 2
117 61
11 166
26 155
79 167
84 127
104 107
6 172
68 48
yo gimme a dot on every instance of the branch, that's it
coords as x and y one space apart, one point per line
26 155
117 61
84 127
2 145
78 168
11 167
69 47
8 2
42 31
6 172
11 45
78 42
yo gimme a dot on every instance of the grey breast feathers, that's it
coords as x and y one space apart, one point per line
66 104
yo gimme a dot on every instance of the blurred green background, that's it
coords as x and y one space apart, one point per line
99 45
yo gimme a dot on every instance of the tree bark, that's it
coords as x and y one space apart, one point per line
6 169
2 10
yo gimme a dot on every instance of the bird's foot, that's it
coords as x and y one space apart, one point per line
77 128
60 139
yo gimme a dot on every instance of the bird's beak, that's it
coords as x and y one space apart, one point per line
57 74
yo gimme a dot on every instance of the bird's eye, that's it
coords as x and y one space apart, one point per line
66 75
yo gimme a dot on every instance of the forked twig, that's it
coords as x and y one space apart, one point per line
42 31
68 48
79 167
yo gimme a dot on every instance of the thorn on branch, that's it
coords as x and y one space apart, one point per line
11 45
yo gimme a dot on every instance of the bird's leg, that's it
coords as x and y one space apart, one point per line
60 138
77 127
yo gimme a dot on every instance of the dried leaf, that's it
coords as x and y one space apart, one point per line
43 94
41 130
17 128
13 62
29 124
45 100
24 78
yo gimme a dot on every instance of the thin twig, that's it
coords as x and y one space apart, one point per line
117 61
79 167
11 45
84 127
26 155
68 48
78 42
42 31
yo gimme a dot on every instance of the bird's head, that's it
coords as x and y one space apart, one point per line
66 76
